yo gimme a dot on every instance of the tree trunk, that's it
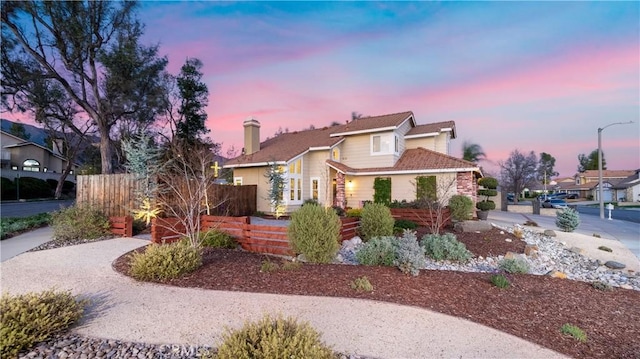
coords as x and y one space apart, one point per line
63 177
105 151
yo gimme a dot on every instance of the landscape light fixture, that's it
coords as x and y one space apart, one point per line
600 191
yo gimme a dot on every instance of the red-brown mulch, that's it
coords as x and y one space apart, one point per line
533 307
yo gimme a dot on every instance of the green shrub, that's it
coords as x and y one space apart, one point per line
291 265
67 186
52 183
575 332
138 226
567 219
379 251
376 221
7 189
268 266
310 201
354 212
166 261
13 226
514 265
486 205
461 207
402 224
339 210
382 190
79 223
30 318
500 281
409 256
273 338
217 239
314 231
362 284
31 187
444 247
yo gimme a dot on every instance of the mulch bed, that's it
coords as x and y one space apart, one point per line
533 307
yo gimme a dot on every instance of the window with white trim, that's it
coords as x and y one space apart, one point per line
31 166
315 188
237 181
295 181
335 154
382 144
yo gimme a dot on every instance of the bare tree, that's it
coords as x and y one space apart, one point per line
518 171
436 203
184 186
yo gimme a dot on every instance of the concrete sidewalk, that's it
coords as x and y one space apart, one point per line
141 312
13 246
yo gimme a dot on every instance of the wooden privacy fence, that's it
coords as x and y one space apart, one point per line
115 195
423 217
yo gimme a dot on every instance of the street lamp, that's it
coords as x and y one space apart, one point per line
600 199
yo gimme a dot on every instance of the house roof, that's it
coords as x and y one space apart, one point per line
431 129
374 124
630 181
287 146
29 143
417 160
607 173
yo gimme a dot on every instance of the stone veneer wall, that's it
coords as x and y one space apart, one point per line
468 186
341 199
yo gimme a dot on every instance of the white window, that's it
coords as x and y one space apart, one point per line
396 147
237 181
382 144
295 181
315 185
335 154
31 165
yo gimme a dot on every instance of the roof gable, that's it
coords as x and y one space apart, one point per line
374 124
432 129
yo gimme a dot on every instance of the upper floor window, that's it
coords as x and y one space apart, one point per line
335 154
396 147
295 181
31 165
577 180
383 144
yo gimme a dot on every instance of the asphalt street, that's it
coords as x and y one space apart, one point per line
30 208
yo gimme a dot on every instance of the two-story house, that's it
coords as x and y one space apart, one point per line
338 165
585 184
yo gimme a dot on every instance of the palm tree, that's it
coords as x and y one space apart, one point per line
472 152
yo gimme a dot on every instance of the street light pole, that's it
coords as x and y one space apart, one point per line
600 190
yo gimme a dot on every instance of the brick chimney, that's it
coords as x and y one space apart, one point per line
251 135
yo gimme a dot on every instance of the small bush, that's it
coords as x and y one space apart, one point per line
500 281
217 239
339 210
7 189
30 318
574 331
531 223
362 284
514 265
605 248
273 338
310 201
605 287
402 224
597 235
444 247
268 266
409 256
52 183
314 231
376 221
567 220
163 262
379 251
291 265
12 226
79 223
486 205
354 212
461 207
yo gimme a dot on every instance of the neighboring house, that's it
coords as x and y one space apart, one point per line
628 189
586 184
29 159
338 165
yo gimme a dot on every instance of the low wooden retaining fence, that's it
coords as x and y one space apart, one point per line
349 228
121 226
423 217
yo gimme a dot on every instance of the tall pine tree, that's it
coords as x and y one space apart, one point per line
194 97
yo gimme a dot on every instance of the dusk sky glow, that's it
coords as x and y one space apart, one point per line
536 76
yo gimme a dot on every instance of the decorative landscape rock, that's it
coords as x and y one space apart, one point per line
614 265
556 274
577 250
531 250
549 233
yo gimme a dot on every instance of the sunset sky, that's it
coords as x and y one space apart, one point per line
536 76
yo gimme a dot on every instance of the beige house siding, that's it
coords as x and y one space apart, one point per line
403 187
356 152
256 176
438 143
315 167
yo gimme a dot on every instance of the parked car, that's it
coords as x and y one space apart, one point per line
554 203
510 197
573 196
560 195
